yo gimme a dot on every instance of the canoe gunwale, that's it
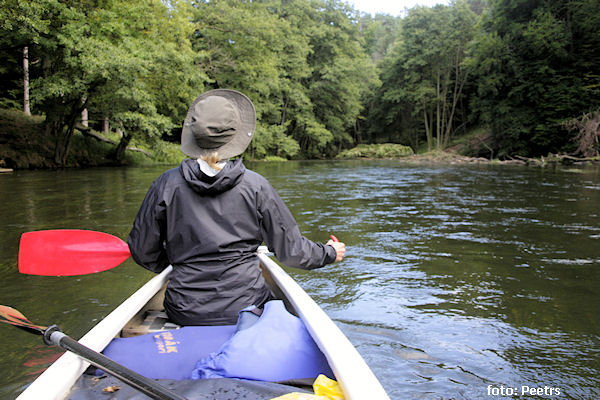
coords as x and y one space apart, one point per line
351 371
56 382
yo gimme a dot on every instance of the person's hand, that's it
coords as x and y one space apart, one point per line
340 249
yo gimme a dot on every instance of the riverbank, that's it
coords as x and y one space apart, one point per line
450 157
453 155
24 144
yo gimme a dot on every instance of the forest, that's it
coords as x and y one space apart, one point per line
507 77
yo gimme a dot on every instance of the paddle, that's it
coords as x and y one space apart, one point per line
52 335
63 252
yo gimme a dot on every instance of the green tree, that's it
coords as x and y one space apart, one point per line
157 77
118 58
301 62
379 34
536 64
242 46
425 74
341 74
139 64
22 25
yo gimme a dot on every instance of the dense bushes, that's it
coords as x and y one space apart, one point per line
385 150
322 76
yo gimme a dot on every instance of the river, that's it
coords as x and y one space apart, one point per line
460 282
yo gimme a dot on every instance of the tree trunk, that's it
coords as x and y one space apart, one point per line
459 83
106 125
283 111
437 105
62 128
62 146
84 114
456 96
357 132
119 153
427 130
84 117
26 108
53 129
444 103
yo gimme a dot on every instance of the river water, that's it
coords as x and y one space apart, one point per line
460 282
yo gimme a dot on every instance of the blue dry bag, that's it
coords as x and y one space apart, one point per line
168 354
276 348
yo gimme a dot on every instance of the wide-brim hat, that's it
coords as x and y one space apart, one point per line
221 121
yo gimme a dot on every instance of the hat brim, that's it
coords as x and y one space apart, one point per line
243 136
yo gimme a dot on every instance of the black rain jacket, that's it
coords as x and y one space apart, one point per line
209 229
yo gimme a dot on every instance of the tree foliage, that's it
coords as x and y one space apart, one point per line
323 77
301 62
536 65
119 59
424 75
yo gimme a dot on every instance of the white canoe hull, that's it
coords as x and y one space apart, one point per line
56 382
351 371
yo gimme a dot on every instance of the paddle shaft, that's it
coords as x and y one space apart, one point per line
53 335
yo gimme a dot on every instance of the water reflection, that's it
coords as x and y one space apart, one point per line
460 278
456 278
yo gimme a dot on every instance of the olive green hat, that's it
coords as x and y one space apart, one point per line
221 121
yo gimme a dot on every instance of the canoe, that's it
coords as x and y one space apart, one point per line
352 373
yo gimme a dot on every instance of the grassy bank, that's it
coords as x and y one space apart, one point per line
24 144
383 150
22 141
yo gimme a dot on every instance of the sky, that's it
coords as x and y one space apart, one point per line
393 7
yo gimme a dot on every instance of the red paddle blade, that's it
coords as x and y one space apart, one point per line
70 252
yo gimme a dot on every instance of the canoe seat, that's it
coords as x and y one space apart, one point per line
153 321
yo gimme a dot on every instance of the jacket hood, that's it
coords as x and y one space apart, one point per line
228 177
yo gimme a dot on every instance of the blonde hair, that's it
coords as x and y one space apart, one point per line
212 160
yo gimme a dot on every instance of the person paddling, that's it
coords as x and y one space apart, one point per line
208 217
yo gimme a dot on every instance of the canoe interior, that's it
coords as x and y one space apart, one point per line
91 388
152 318
143 310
